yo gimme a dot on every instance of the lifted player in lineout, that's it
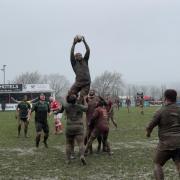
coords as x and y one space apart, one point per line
81 69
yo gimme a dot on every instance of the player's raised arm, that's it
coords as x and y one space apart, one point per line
34 108
87 54
72 57
34 100
17 112
29 112
49 111
16 101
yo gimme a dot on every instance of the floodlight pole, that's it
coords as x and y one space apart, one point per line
4 71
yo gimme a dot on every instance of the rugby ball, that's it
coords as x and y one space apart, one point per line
78 38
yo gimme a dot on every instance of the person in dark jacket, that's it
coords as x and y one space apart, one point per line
168 121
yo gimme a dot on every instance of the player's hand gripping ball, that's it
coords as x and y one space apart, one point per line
78 38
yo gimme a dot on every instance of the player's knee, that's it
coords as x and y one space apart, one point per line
46 135
38 134
26 125
177 166
157 166
69 147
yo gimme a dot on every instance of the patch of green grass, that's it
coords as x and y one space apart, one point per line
132 158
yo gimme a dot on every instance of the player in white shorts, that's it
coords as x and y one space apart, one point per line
55 106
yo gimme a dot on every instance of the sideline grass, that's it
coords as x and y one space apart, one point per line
132 158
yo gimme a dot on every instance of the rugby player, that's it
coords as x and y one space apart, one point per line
92 101
23 115
110 111
81 70
128 104
168 121
100 125
74 126
42 110
54 107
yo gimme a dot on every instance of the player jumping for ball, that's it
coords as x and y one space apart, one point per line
81 69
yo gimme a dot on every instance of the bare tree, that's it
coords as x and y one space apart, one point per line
131 90
108 83
144 89
178 94
163 88
58 83
155 92
28 78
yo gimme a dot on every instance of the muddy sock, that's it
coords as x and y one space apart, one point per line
19 130
38 137
45 140
25 131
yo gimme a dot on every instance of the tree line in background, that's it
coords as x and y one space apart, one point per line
156 92
59 83
108 83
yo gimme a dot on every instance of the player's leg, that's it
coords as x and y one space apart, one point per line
86 138
88 134
161 157
69 147
92 137
26 123
99 139
80 142
38 132
142 111
19 126
177 163
176 158
46 134
60 126
84 92
75 89
72 150
128 109
105 142
55 127
158 172
112 119
90 148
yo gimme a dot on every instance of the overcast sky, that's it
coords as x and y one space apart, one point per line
138 38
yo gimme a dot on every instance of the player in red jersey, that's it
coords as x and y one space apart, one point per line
55 106
110 111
